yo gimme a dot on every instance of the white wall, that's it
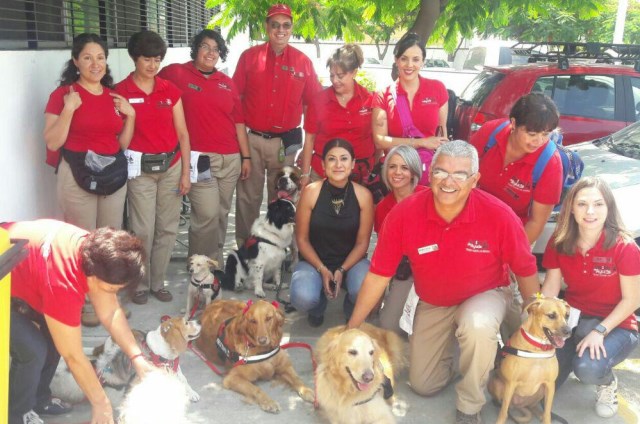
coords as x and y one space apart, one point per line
27 184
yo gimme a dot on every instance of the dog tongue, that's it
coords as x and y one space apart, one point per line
282 194
363 386
558 342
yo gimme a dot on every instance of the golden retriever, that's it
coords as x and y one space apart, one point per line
251 329
352 368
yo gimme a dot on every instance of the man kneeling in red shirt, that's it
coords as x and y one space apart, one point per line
460 243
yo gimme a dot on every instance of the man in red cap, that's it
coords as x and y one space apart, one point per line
276 82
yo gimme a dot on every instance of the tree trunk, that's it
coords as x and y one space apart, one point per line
316 43
382 54
426 19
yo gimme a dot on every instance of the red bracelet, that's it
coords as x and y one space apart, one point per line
135 356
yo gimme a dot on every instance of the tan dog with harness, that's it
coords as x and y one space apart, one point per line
529 369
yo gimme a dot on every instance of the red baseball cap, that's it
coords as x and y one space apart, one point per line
279 9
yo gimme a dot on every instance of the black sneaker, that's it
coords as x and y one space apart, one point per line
53 406
315 321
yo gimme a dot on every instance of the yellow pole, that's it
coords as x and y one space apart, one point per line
5 301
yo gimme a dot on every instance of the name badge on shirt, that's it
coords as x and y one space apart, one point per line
136 100
194 87
427 249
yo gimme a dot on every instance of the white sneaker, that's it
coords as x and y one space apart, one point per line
607 399
31 418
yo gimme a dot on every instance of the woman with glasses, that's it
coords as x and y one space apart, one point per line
598 260
333 229
509 150
342 110
216 129
161 142
414 110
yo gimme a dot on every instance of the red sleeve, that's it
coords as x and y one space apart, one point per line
380 99
312 86
443 95
238 113
628 259
388 252
311 117
240 75
56 101
168 73
549 187
550 259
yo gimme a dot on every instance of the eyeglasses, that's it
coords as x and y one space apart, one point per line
208 48
277 25
459 177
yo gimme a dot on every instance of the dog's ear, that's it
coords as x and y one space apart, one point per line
175 334
533 306
277 325
212 263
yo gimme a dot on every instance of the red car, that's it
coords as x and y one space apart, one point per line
594 100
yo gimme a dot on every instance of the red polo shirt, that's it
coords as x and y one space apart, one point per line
275 88
211 108
593 280
513 184
95 125
327 119
425 109
154 130
53 285
452 262
384 207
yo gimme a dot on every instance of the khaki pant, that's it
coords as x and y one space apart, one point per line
474 323
394 304
86 210
264 157
154 215
210 206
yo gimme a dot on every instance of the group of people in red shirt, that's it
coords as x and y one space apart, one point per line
458 240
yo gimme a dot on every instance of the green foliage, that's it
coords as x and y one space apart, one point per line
365 79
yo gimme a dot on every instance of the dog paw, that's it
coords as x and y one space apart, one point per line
193 396
269 286
307 394
399 407
260 293
270 406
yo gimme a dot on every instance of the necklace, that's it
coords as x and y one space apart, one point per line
97 91
338 197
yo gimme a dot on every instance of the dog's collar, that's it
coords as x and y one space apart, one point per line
226 354
215 286
160 361
255 239
539 343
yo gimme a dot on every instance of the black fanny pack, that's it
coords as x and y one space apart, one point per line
292 141
109 180
157 163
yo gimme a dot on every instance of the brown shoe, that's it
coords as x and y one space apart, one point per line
163 295
89 318
140 298
462 418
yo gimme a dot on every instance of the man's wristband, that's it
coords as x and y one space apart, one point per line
245 157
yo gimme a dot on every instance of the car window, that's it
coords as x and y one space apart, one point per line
480 87
591 96
635 88
625 142
475 58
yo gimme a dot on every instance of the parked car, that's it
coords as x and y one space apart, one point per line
615 158
594 100
436 63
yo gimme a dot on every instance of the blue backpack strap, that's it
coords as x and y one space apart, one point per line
542 161
492 136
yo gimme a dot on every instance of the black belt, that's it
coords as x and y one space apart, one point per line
269 135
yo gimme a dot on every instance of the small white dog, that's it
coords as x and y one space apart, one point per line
203 286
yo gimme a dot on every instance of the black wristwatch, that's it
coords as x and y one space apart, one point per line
601 329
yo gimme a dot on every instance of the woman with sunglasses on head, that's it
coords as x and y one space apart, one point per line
340 111
161 142
216 127
414 109
401 171
333 229
598 260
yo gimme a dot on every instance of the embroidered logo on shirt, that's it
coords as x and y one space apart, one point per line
519 185
365 111
477 246
428 101
166 103
603 267
224 86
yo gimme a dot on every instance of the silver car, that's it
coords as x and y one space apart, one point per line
616 159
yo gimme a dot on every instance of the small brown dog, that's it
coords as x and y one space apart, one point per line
355 374
251 332
528 372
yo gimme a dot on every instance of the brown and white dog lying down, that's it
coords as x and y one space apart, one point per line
356 368
529 369
232 331
162 347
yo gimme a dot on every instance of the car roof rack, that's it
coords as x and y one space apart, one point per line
562 52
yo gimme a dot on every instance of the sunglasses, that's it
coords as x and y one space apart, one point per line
277 25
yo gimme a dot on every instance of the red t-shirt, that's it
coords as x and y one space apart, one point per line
54 285
327 119
212 108
452 262
384 207
513 184
593 280
275 88
154 130
95 124
425 109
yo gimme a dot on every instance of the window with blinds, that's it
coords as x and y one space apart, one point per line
48 24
